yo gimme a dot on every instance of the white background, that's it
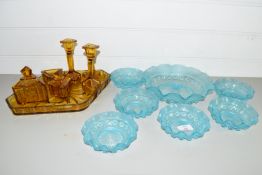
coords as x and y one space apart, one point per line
220 37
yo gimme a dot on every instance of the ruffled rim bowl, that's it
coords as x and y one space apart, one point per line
178 83
233 88
127 78
183 121
109 131
232 113
138 103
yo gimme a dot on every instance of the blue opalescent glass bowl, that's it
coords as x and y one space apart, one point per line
233 88
183 121
178 83
109 131
232 113
127 78
136 102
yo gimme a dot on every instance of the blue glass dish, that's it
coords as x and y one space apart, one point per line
232 113
178 83
233 88
138 103
183 121
127 78
109 131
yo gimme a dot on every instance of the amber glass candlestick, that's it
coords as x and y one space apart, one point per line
69 45
91 52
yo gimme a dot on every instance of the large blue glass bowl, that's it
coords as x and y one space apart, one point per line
233 88
127 78
109 131
232 113
178 83
138 103
183 121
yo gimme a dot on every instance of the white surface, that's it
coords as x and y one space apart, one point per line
220 37
52 144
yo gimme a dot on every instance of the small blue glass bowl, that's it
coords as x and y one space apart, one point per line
178 83
138 103
127 78
183 121
109 131
233 88
232 113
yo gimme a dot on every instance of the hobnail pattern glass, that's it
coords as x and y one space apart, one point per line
183 121
178 83
233 88
138 103
109 131
232 113
127 78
